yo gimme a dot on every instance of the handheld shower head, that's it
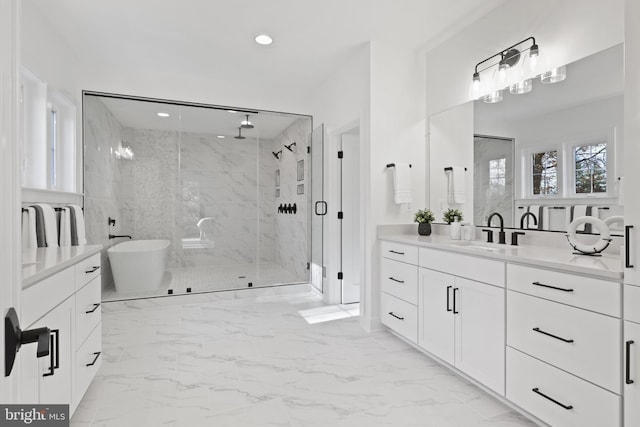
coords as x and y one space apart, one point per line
277 154
288 147
239 134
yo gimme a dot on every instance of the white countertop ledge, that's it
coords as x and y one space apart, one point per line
607 266
40 263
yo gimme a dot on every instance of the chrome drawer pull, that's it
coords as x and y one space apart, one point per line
627 369
397 317
95 268
552 287
551 335
395 252
396 280
95 307
96 354
537 391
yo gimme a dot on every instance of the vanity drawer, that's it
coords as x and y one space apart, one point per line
400 279
580 291
88 361
632 303
586 405
594 353
87 270
400 316
88 310
41 297
470 267
400 252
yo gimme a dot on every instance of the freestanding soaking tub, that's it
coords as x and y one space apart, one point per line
138 265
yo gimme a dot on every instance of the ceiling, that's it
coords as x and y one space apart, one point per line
144 115
214 38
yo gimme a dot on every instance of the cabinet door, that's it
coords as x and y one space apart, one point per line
435 316
480 332
39 385
632 374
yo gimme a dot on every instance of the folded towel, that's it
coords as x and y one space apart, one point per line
77 223
65 227
456 185
402 183
46 224
621 191
29 238
544 223
578 211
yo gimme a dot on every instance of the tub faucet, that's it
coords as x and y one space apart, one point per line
501 235
113 236
525 215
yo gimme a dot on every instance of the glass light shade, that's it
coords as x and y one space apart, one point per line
521 87
554 75
493 97
475 89
533 66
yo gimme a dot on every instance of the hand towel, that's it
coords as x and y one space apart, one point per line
29 237
456 185
65 227
78 219
544 223
46 219
578 211
621 191
402 183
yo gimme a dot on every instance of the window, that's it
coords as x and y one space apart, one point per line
545 173
497 176
53 142
591 168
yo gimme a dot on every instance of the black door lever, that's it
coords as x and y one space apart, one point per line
15 337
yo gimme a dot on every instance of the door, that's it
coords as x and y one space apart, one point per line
10 252
480 332
631 374
436 302
319 209
350 218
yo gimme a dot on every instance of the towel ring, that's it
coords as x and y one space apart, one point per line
584 249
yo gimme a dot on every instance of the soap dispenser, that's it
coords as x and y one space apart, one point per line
455 229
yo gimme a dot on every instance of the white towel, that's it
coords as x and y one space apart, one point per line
402 183
82 238
621 191
29 239
50 225
65 227
578 211
534 209
546 222
456 185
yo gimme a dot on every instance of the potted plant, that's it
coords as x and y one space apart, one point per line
451 214
424 218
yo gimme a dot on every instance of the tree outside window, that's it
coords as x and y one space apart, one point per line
497 177
591 168
545 172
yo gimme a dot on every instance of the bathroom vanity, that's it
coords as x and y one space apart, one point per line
536 326
61 291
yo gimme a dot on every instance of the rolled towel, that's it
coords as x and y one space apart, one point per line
47 224
77 223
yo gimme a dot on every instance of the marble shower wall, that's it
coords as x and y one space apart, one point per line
488 199
102 179
292 236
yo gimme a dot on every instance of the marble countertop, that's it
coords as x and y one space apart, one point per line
607 266
40 263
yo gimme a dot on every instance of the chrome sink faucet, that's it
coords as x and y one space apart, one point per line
501 235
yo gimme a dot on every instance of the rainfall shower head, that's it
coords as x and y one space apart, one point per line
288 147
277 154
246 124
239 134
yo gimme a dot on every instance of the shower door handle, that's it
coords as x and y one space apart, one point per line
324 210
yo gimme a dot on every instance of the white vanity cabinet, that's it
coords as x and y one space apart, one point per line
68 303
462 321
564 348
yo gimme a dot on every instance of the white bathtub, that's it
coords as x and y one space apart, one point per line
138 265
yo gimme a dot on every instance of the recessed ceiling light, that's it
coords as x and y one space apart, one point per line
221 136
264 39
231 111
163 114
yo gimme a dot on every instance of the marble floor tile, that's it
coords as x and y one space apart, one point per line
254 359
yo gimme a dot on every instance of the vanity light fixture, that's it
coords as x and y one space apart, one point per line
239 134
246 124
220 136
163 114
263 39
516 66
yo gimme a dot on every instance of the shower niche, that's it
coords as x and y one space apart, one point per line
207 178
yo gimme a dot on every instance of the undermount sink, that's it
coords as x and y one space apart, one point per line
28 264
481 246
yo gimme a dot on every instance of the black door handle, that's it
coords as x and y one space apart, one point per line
396 280
627 241
95 359
95 307
14 338
455 290
448 289
552 287
537 391
396 252
95 267
397 317
54 362
627 369
551 335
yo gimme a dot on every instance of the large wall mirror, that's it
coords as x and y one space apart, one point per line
555 152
